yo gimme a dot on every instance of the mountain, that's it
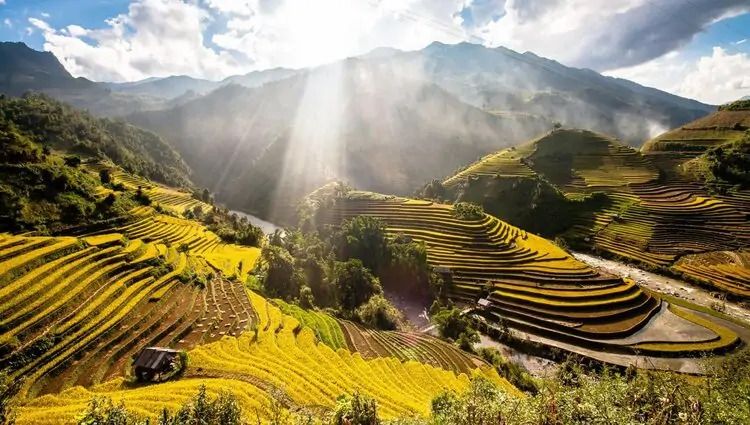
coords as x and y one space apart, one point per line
611 198
175 87
23 69
351 120
26 69
258 78
167 88
502 79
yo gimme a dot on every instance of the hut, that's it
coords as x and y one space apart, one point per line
153 363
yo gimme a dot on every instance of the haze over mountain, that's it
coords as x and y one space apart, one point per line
181 85
350 120
363 120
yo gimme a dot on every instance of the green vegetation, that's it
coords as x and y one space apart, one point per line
453 325
201 409
529 202
345 269
43 191
56 126
229 227
738 105
467 211
729 164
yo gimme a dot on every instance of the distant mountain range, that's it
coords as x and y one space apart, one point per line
183 85
387 121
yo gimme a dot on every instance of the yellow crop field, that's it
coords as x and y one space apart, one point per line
529 281
278 360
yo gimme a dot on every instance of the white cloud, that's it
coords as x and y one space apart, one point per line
217 38
45 15
8 23
2 2
717 78
41 25
154 38
738 42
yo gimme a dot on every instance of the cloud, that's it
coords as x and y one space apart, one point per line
8 23
154 38
217 38
625 33
716 78
719 78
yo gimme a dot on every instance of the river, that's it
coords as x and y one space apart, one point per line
266 226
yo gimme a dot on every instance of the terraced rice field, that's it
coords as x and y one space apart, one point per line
172 199
371 344
231 260
89 304
281 360
659 223
532 284
696 137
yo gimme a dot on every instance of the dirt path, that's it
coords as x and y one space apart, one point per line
664 285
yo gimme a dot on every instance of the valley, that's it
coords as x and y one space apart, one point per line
459 234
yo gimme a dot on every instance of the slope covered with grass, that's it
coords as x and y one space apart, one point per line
614 199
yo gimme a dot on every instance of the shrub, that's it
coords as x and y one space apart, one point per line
379 313
451 323
354 284
467 211
356 410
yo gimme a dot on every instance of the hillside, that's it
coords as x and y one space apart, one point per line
682 151
56 126
723 126
534 286
76 308
263 149
619 201
502 79
43 184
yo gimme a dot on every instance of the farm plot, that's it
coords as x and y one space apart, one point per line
229 259
282 359
531 283
73 311
405 346
654 221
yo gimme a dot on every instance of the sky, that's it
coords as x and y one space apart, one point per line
694 48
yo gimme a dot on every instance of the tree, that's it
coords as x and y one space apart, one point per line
379 313
467 211
454 325
72 161
364 238
354 283
206 196
280 278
